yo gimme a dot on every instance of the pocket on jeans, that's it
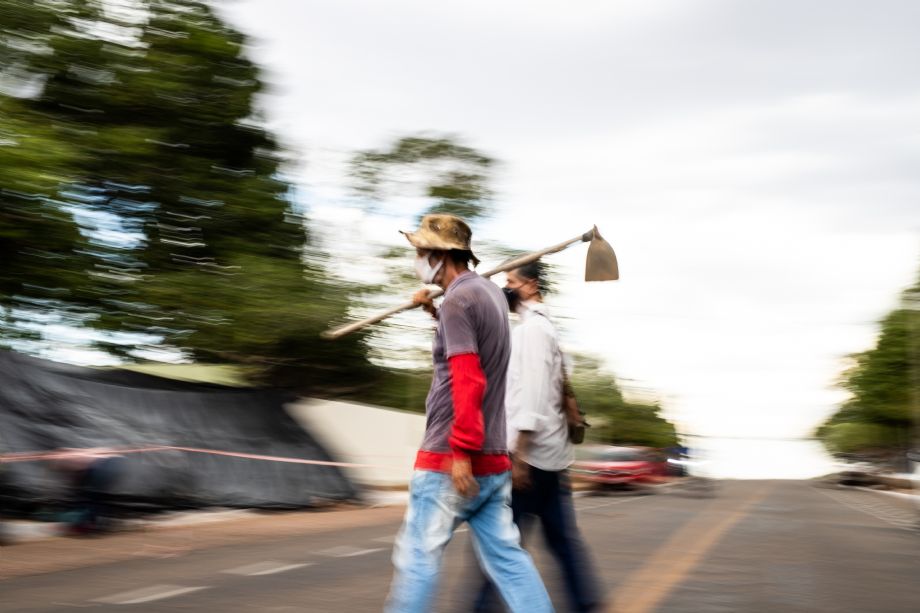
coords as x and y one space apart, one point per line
452 497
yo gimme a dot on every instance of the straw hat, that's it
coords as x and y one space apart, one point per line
442 232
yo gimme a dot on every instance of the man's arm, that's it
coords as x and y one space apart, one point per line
468 386
422 299
520 468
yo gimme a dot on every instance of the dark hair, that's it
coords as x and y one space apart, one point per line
462 257
535 271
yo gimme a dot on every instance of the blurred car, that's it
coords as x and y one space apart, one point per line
608 466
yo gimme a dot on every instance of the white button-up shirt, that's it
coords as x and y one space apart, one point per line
534 390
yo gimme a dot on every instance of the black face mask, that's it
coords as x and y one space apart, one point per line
513 298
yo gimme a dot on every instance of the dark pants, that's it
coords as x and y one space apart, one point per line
3 495
549 498
94 494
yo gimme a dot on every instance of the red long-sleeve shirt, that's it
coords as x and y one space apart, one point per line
468 385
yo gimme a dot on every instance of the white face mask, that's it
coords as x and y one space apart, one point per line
425 271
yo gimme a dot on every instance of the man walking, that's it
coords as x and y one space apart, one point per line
462 471
538 438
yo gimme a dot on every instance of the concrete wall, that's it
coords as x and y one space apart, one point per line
364 434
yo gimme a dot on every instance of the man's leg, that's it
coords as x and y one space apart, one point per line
431 518
557 516
524 505
497 543
96 484
3 538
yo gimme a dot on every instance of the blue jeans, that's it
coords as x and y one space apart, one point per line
549 498
435 511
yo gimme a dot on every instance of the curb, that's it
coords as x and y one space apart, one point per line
19 531
901 495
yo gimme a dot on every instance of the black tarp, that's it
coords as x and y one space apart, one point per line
46 406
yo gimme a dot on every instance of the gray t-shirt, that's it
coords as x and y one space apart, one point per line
473 318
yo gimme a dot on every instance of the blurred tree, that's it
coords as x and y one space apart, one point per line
427 174
41 249
859 438
881 415
181 231
613 420
440 174
452 176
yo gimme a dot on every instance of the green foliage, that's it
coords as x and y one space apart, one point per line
41 249
884 383
881 379
402 388
614 420
857 437
438 174
40 246
141 194
453 177
141 197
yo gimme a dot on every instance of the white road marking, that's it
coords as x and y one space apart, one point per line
265 568
346 551
607 504
149 594
361 552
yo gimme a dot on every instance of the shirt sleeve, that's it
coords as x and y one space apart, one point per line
468 385
458 328
534 359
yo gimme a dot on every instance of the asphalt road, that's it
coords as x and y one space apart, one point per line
753 546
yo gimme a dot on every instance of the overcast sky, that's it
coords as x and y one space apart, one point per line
754 164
